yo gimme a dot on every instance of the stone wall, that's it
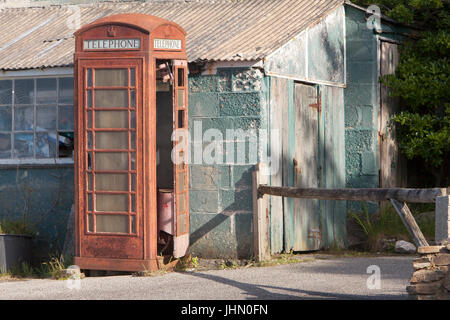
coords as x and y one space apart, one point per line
431 278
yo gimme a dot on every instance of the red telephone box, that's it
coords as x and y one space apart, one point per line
130 74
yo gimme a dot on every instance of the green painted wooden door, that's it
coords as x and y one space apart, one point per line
306 219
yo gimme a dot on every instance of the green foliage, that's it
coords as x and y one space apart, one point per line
387 224
15 227
421 80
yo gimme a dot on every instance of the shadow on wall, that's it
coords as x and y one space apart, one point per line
42 198
229 233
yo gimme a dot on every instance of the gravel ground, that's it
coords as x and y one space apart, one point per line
322 278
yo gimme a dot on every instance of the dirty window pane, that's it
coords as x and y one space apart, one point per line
45 144
89 77
180 202
23 118
180 98
5 145
111 140
133 224
111 182
24 91
65 144
5 91
45 118
46 91
133 140
111 202
132 77
111 77
111 98
133 98
65 90
23 145
90 223
111 223
111 161
133 202
111 119
65 118
5 118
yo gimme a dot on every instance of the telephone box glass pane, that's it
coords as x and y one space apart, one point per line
111 202
111 182
180 182
111 98
111 223
133 98
133 224
89 119
89 181
89 99
181 77
132 77
111 77
111 119
180 202
111 161
89 77
111 140
180 97
90 223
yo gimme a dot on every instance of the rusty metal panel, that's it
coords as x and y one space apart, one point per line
216 30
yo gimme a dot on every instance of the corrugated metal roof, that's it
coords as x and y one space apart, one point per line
232 30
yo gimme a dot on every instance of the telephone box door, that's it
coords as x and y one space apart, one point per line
180 109
111 166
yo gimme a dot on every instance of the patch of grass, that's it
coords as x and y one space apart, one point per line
54 268
17 227
148 273
186 263
386 224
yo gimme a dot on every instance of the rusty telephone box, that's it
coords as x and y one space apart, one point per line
130 74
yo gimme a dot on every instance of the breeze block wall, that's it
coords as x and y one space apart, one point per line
362 104
42 197
221 193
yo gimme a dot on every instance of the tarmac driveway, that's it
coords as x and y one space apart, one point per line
322 278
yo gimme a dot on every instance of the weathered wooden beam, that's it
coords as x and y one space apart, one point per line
442 220
261 225
410 223
367 194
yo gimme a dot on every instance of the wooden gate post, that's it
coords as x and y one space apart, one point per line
410 223
261 235
442 232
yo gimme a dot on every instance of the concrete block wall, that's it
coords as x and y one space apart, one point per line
44 196
221 193
361 105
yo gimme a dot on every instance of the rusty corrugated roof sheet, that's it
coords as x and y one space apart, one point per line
232 30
